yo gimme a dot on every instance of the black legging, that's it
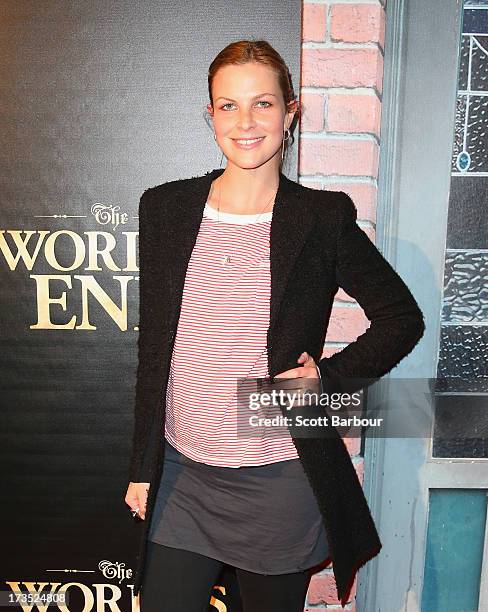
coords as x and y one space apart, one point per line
181 581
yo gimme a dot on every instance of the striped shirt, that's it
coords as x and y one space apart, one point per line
221 337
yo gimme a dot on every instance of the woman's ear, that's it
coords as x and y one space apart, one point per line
291 111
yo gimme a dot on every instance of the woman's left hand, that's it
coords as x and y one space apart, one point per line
308 369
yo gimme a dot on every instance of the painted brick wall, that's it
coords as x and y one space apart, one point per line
341 86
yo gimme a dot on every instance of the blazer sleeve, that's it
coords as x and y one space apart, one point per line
143 434
396 321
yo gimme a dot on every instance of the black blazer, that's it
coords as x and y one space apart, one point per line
315 246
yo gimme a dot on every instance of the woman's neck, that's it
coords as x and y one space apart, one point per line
243 191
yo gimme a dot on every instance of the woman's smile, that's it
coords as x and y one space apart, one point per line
248 143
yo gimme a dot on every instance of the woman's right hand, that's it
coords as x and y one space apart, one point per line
136 497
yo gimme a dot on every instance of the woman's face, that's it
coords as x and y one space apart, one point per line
248 105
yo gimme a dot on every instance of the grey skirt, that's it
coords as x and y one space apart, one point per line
263 519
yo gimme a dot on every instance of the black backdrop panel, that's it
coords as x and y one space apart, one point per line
99 99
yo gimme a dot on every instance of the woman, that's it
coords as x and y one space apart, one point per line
238 269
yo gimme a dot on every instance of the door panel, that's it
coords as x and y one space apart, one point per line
428 495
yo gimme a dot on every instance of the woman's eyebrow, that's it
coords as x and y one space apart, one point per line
253 98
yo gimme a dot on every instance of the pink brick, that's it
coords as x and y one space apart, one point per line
312 184
342 68
356 114
314 22
343 296
381 35
312 119
339 156
349 608
346 324
353 445
364 196
357 23
323 590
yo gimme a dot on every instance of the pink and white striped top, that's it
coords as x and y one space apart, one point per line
221 336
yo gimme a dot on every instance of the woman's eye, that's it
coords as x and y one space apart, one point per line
260 102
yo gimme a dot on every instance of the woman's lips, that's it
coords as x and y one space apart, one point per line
255 142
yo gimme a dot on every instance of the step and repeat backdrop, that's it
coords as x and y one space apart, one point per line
100 99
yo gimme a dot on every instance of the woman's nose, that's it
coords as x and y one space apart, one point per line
246 119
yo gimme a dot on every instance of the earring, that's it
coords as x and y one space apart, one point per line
287 132
222 156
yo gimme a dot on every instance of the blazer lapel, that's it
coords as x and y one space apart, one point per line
291 222
290 225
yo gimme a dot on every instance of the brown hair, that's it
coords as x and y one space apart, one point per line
260 52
